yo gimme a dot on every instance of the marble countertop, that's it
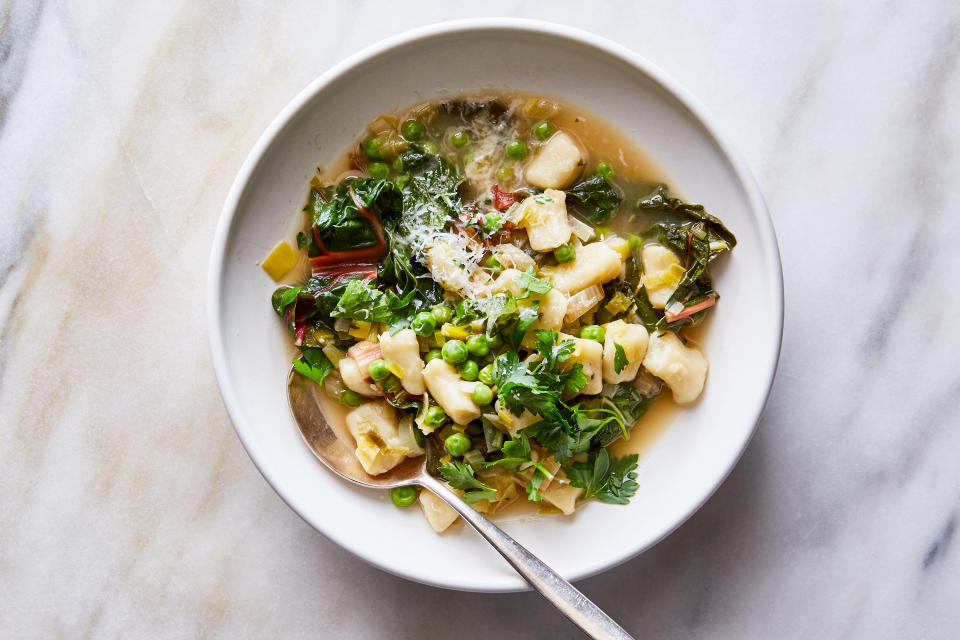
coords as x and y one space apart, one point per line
130 508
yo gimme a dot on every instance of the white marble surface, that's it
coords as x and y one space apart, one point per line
130 508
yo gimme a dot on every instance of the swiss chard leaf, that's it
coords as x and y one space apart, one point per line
361 301
594 198
610 480
338 220
627 405
660 200
461 476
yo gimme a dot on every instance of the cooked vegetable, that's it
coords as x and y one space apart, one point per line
543 130
403 496
281 259
456 444
494 309
454 352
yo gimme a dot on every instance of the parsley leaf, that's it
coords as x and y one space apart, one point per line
552 435
608 480
552 356
529 283
620 358
460 476
517 456
313 364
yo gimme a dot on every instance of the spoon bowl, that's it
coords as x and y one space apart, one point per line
332 446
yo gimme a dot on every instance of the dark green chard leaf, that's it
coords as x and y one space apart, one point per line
461 476
660 200
595 199
610 480
361 301
312 363
627 405
340 223
697 237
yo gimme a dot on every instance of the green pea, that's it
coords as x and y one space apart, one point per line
403 496
457 444
636 242
495 340
351 398
593 332
430 147
413 131
481 394
424 324
378 170
605 170
469 370
378 370
435 417
486 375
442 313
564 253
505 174
517 150
433 354
542 130
494 265
459 139
478 345
454 351
373 148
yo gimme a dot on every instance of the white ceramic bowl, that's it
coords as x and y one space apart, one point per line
251 349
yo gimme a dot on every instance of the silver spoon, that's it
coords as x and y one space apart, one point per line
331 450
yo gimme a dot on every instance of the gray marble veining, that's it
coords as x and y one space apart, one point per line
129 507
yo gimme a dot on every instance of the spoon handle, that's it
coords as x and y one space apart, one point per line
563 595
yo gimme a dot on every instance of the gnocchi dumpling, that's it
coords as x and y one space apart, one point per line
450 391
373 426
595 263
439 514
403 348
682 368
557 164
354 379
662 273
544 216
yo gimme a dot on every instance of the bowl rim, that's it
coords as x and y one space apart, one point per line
572 35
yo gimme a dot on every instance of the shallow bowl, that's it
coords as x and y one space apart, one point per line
250 348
